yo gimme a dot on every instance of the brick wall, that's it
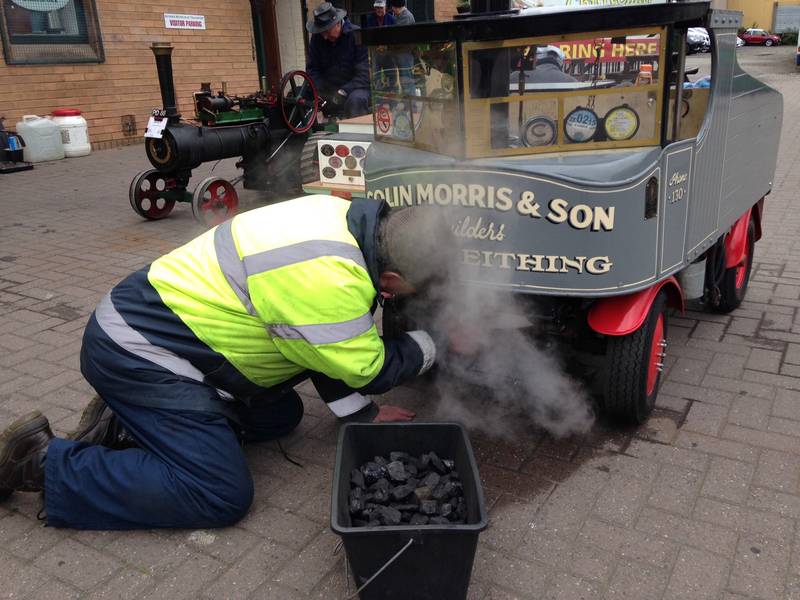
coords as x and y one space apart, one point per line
443 10
126 83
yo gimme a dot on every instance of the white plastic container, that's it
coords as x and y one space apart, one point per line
42 139
74 131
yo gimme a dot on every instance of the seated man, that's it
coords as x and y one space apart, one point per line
549 67
379 17
199 351
337 64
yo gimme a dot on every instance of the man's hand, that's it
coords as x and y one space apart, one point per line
339 98
392 414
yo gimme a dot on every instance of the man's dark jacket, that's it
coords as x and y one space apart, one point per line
342 64
372 20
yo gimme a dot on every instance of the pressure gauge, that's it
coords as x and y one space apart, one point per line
580 125
621 123
538 131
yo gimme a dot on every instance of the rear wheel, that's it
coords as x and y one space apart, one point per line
634 363
736 279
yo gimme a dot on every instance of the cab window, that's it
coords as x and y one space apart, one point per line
584 91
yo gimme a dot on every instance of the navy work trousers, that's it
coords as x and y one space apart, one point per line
189 470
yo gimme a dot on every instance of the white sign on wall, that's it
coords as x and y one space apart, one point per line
172 21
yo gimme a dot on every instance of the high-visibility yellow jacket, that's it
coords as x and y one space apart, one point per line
263 298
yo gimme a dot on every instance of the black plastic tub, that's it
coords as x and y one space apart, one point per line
438 563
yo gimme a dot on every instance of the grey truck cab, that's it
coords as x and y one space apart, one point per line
581 168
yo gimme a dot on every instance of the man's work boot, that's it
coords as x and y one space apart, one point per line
99 425
23 447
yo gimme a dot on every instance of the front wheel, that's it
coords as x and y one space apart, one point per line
768 43
634 364
736 279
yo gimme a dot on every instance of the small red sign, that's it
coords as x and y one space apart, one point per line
383 119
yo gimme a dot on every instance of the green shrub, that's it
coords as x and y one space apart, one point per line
789 38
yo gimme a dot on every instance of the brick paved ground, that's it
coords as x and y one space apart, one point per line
701 502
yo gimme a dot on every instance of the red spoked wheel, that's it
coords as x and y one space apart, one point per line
634 364
150 193
299 101
214 200
733 287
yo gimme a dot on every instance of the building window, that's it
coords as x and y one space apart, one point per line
50 31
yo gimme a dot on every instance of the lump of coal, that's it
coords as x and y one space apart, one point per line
418 519
439 521
389 515
357 479
379 491
357 501
396 470
423 492
431 480
429 507
402 491
444 490
449 464
446 510
401 456
373 472
381 461
436 463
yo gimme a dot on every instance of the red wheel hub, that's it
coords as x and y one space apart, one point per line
658 348
218 202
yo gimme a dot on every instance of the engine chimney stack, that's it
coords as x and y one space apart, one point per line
163 54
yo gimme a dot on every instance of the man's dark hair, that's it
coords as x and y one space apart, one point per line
418 243
398 3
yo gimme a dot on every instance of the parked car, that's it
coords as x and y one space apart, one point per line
757 37
697 40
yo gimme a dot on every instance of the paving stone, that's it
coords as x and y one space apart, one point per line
727 365
188 580
760 567
698 575
787 404
126 584
763 439
510 520
250 572
281 527
777 470
621 500
675 490
765 360
637 580
628 543
564 586
305 570
750 412
78 565
669 455
777 502
728 480
744 520
499 569
19 578
705 418
687 531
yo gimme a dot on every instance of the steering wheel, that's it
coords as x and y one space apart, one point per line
299 101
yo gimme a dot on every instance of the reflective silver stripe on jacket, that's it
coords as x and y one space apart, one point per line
134 342
231 265
324 333
302 251
349 404
236 270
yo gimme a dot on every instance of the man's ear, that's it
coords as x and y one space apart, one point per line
392 283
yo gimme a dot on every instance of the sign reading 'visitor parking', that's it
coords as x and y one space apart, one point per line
184 21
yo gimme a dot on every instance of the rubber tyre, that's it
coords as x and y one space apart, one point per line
734 283
309 158
628 361
768 43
